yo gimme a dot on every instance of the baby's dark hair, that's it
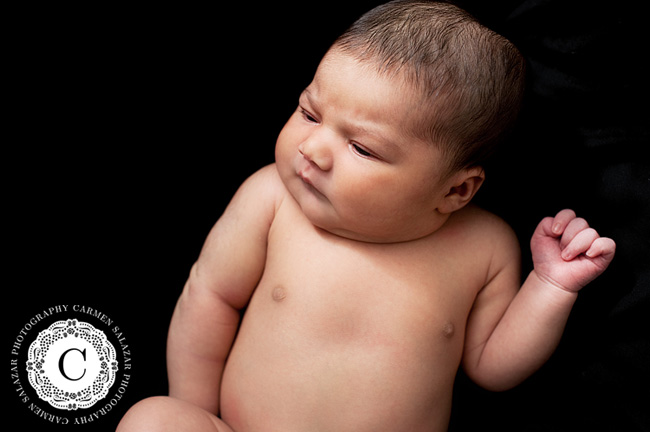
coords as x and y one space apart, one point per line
470 78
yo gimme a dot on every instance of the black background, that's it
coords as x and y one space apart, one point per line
127 130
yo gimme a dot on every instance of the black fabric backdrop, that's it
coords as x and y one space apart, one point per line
130 129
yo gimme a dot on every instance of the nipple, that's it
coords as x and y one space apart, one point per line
448 330
278 294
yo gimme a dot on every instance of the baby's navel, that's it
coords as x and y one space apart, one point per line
278 294
448 330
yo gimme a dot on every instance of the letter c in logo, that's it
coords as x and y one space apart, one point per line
62 359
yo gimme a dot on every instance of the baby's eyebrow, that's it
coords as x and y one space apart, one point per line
377 137
306 93
353 127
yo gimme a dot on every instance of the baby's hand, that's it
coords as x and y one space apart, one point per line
568 253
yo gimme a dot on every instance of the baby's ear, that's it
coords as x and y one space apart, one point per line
461 188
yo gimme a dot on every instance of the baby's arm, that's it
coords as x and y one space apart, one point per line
504 345
220 284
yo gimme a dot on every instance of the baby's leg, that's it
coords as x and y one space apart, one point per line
161 414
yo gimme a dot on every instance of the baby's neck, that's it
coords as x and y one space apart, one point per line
386 239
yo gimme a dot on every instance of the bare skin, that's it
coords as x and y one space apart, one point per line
366 278
370 346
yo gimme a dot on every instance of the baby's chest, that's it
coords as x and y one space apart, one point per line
339 292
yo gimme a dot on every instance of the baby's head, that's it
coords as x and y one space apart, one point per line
390 137
468 79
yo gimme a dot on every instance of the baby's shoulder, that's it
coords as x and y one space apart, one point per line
258 198
264 186
484 229
266 178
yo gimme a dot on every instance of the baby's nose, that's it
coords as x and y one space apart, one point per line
317 152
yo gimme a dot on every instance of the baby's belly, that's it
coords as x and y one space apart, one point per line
304 362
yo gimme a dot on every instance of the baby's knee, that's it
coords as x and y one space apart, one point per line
151 414
166 414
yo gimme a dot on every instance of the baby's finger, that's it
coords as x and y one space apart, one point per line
545 228
579 244
574 227
561 221
603 246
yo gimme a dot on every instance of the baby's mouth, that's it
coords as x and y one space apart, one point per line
309 183
305 179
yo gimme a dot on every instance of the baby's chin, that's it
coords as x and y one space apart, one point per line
325 215
328 220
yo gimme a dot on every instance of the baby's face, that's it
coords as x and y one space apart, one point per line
347 157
